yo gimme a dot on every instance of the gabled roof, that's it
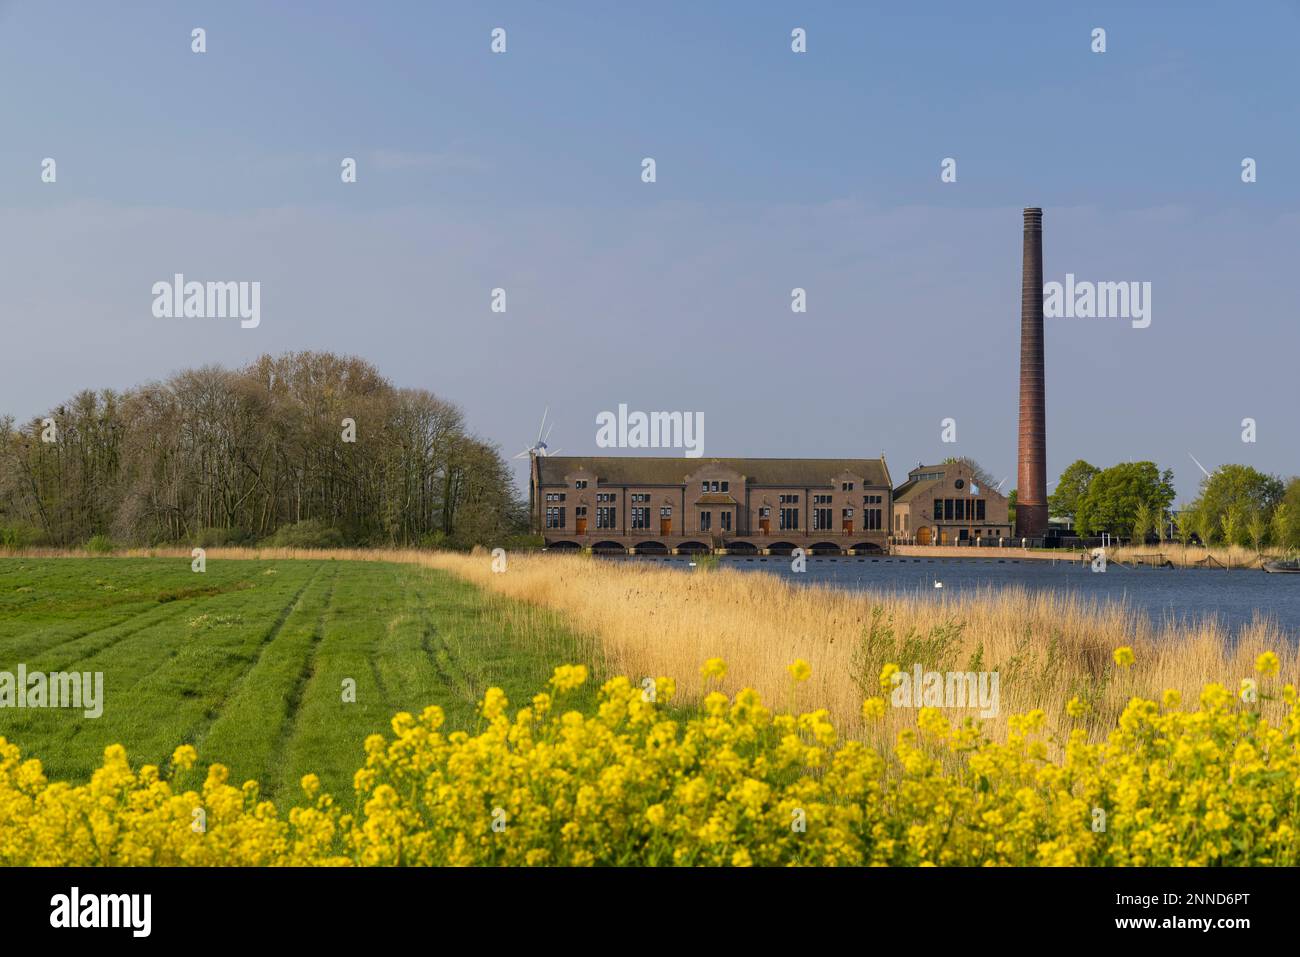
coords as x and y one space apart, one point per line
716 498
666 470
913 488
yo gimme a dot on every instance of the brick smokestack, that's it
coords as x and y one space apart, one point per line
1031 474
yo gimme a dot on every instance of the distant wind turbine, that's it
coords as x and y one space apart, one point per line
1200 466
540 447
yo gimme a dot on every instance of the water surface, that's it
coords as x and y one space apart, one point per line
1236 597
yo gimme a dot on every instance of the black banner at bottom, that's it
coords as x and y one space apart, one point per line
333 906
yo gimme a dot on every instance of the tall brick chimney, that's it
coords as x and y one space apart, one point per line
1031 474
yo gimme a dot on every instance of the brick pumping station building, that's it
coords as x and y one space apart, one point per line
754 506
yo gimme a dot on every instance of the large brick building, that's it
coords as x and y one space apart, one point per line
657 505
946 505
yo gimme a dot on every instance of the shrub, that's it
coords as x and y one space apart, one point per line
732 784
522 542
310 533
218 537
433 540
20 535
100 545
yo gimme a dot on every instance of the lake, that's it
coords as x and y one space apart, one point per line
1236 597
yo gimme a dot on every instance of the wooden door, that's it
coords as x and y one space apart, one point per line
582 526
765 526
923 535
665 526
848 526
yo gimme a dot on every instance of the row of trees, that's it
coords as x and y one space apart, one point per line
1130 498
1236 504
302 448
1239 505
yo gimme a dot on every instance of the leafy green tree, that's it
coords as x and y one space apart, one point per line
1242 488
1207 526
1281 526
1071 488
1286 517
1115 494
1230 523
1257 529
1185 527
1141 523
1011 509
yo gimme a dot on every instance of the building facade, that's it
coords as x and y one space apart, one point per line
660 505
946 505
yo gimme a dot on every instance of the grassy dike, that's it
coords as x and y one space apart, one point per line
248 660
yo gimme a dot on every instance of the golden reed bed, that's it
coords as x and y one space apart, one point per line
1194 556
650 620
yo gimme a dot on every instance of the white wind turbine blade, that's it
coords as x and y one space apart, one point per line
524 454
541 427
1199 465
556 452
548 432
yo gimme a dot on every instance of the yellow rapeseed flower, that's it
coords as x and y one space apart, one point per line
1124 656
568 677
873 708
713 668
799 670
1267 664
184 757
887 676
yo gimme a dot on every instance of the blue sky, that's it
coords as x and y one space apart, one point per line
775 170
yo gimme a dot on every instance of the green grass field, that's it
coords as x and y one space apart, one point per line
247 661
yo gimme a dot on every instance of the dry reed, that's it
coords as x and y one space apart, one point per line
651 620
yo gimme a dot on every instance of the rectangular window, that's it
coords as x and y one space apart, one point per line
580 512
871 519
960 509
580 483
606 517
979 509
725 519
947 510
821 519
640 518
938 508
666 511
706 521
789 519
726 486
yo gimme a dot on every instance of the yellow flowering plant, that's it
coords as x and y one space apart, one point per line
635 782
